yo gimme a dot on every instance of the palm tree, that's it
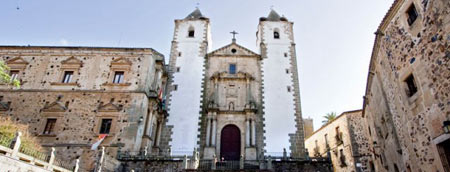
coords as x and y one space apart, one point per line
329 117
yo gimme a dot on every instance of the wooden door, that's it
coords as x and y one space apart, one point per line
230 143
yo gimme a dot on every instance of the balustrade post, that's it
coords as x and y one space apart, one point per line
241 162
185 164
52 159
214 161
77 165
269 163
16 145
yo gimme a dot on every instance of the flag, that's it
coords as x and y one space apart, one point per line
101 137
160 94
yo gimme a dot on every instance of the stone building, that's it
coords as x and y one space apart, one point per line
308 126
233 92
71 95
344 140
407 95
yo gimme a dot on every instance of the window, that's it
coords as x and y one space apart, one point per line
178 69
276 35
175 87
233 50
50 126
289 88
191 33
67 76
412 88
412 14
14 74
106 126
118 77
285 54
232 69
287 71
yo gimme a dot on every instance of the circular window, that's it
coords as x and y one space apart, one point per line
233 50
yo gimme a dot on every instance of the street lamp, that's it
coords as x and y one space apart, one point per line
446 126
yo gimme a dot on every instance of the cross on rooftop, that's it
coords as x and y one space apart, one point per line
234 35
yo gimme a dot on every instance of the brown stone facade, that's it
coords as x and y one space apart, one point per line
407 95
344 141
308 126
71 95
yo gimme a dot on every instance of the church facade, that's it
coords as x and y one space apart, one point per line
237 97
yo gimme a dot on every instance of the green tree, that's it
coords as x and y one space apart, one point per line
4 76
329 117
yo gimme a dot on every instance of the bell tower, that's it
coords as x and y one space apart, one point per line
281 92
191 42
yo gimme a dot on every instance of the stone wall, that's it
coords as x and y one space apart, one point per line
80 105
153 166
405 125
359 137
308 126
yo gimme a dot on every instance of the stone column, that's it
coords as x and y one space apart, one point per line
253 133
247 133
158 132
208 131
213 141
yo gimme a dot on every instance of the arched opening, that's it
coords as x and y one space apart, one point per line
191 32
276 34
230 143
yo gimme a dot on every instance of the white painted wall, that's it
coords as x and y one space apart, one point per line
278 102
184 108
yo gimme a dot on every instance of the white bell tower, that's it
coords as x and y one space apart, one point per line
191 42
281 92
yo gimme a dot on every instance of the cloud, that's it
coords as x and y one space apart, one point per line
64 42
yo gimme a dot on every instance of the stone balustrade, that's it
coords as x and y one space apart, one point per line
11 150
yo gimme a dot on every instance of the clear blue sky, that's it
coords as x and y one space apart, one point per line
334 38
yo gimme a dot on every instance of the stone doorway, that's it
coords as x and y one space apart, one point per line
230 143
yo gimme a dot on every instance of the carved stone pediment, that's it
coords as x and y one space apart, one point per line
121 63
109 107
72 63
233 49
17 63
56 106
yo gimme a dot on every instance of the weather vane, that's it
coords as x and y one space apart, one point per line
197 4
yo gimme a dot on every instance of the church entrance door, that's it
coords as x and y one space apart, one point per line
230 143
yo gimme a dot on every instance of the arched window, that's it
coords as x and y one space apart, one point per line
191 32
276 34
